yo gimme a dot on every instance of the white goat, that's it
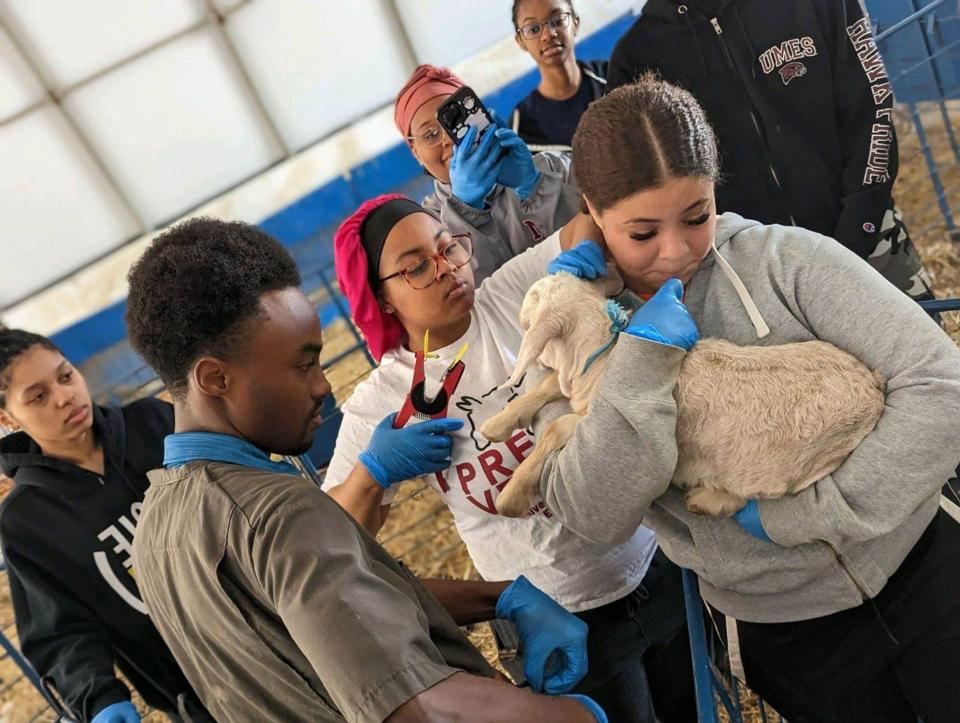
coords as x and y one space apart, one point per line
752 421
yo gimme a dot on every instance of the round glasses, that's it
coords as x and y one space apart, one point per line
430 135
530 31
426 270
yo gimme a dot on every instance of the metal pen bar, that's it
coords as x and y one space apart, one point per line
424 542
721 691
23 664
948 125
353 349
932 168
702 675
937 305
909 19
412 496
416 523
927 60
337 299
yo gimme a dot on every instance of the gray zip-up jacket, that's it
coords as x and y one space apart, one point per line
508 226
834 543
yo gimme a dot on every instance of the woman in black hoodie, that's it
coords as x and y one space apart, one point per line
802 108
67 533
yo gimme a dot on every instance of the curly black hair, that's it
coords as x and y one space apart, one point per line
13 344
516 9
195 289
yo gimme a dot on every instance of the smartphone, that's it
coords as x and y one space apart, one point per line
462 110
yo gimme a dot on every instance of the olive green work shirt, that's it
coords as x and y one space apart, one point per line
278 606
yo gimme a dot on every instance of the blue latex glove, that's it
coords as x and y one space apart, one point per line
585 261
554 640
123 712
748 518
395 455
516 169
474 169
591 705
665 319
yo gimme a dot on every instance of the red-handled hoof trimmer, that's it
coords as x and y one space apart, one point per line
416 403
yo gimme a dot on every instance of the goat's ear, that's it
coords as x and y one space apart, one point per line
610 284
531 303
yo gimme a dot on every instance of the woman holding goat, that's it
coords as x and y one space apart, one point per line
846 595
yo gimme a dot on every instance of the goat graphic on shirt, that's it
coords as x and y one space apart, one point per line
481 478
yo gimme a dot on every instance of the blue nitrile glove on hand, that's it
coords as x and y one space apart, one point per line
554 640
748 517
395 455
474 169
585 261
591 705
123 712
516 169
665 319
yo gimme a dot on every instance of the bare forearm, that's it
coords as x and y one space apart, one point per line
362 498
465 697
467 601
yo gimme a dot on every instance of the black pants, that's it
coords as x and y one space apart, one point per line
639 652
952 489
892 659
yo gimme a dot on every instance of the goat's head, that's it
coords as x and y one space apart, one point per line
551 310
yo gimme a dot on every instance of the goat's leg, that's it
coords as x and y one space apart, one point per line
713 502
522 489
520 411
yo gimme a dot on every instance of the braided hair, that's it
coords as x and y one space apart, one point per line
638 137
14 343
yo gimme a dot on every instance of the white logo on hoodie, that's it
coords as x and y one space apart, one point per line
123 547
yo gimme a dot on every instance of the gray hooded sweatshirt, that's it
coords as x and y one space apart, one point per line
835 543
508 226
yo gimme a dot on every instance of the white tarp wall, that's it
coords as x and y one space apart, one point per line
120 116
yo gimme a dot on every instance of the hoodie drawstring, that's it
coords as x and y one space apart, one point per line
748 303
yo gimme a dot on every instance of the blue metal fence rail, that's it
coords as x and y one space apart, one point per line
920 44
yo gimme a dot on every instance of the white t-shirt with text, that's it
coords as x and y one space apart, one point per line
578 574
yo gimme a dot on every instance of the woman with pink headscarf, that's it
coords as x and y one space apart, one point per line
495 190
404 274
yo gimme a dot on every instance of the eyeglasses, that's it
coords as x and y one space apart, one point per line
555 23
426 271
430 136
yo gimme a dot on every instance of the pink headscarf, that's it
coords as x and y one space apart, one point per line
427 81
381 330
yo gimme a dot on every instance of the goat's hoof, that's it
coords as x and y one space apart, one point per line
498 428
514 500
715 503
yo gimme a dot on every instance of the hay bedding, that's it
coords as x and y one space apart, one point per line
420 530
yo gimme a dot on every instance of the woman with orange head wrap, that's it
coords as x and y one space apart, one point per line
495 190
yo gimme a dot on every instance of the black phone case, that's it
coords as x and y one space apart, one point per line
462 110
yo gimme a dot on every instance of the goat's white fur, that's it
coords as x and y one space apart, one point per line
752 421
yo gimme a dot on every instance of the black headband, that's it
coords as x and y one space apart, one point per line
377 226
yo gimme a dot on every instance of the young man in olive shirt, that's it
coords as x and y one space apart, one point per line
274 601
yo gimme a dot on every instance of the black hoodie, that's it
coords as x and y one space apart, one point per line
799 100
67 537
